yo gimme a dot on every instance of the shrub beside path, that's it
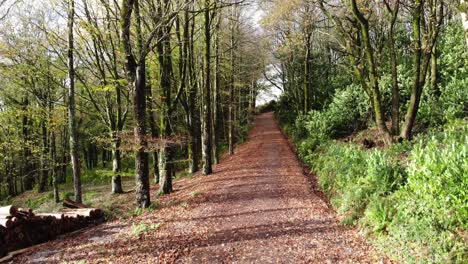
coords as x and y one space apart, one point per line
257 207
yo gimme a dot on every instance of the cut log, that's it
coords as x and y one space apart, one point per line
74 205
7 223
25 228
87 212
49 216
8 210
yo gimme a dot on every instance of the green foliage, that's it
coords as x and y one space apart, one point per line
453 54
285 114
68 195
269 107
344 115
102 175
37 202
353 178
139 211
439 107
451 104
417 207
433 206
454 99
142 227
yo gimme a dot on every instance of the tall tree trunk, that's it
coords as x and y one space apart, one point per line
10 180
75 162
136 76
416 88
373 77
64 151
26 165
206 121
44 174
154 133
216 89
192 94
165 154
232 87
422 54
394 64
53 160
116 164
116 127
141 156
434 72
307 75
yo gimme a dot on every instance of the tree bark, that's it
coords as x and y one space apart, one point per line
216 89
394 64
154 133
307 74
206 121
141 156
421 57
373 76
434 72
165 154
53 158
232 87
26 165
136 76
192 117
44 174
75 161
116 165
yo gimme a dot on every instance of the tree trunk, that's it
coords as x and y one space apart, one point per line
44 174
26 165
192 95
10 180
232 88
307 76
165 154
394 64
136 76
216 89
53 159
434 72
154 133
116 165
416 87
206 121
142 187
373 76
75 162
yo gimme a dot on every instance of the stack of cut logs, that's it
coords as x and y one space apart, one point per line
20 228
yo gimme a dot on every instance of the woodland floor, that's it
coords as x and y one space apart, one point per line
257 207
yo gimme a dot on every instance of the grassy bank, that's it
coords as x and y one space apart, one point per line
409 199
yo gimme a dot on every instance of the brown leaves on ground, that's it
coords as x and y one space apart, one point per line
256 207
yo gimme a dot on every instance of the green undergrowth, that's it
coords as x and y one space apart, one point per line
411 199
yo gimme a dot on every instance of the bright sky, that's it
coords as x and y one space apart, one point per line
256 14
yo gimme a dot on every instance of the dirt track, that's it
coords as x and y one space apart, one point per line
257 207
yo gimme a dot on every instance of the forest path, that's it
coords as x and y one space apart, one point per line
257 207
